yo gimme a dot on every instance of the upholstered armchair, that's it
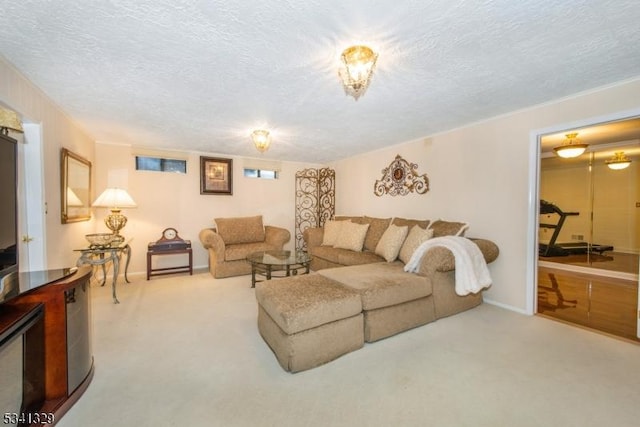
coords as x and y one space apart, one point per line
233 239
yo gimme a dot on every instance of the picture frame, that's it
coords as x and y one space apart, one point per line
216 176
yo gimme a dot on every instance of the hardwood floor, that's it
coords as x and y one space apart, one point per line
611 261
602 303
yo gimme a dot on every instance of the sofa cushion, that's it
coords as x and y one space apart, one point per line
344 256
391 241
304 302
381 284
377 227
328 253
422 223
241 250
356 219
448 228
356 258
332 230
241 229
415 238
351 236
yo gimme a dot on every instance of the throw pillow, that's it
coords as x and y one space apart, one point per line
240 229
391 241
448 228
416 237
376 229
352 236
332 230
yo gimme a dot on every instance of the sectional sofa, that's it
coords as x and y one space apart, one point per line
360 292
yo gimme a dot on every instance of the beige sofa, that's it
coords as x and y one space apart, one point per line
233 239
360 296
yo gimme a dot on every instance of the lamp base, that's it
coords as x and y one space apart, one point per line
115 222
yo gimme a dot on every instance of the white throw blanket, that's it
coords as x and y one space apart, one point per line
472 274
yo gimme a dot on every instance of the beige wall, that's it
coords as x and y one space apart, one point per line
58 131
174 200
480 174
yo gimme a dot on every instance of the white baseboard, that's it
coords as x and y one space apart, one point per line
506 307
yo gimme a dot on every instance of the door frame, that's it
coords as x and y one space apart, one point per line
531 303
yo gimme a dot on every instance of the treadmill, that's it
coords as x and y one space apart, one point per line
552 248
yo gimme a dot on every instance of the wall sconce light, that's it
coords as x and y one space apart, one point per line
9 120
572 147
356 69
261 139
115 199
618 161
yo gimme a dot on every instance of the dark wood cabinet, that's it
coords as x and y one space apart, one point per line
63 347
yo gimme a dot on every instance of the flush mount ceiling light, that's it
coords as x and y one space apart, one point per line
261 139
356 69
618 161
572 147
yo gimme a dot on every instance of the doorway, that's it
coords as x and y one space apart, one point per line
588 230
31 204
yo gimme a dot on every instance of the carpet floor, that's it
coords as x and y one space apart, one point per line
185 351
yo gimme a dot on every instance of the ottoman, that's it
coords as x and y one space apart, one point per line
309 320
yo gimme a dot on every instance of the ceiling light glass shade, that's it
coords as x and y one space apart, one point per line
618 161
115 199
572 147
356 69
261 139
9 120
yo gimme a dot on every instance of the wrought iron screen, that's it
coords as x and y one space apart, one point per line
315 200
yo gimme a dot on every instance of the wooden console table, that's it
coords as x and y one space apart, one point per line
57 349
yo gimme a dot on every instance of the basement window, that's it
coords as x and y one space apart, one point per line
260 173
159 164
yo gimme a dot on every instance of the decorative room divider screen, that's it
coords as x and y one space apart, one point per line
315 200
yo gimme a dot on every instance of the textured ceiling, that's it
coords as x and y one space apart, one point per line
200 75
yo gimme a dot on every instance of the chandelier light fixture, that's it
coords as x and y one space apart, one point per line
356 69
572 147
618 161
261 139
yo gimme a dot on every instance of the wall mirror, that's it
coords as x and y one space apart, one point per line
75 187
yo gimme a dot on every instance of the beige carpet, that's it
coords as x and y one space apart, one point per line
185 351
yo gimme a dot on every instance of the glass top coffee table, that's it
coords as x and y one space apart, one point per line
283 263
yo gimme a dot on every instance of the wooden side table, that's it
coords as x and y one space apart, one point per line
169 270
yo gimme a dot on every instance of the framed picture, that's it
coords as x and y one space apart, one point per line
216 176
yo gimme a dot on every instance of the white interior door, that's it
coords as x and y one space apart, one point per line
31 205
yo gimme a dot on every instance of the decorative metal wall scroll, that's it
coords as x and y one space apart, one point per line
401 178
315 200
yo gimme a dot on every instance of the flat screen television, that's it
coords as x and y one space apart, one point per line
8 214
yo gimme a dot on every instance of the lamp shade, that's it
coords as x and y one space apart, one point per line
9 120
114 198
73 199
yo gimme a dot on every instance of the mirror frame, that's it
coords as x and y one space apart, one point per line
85 212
